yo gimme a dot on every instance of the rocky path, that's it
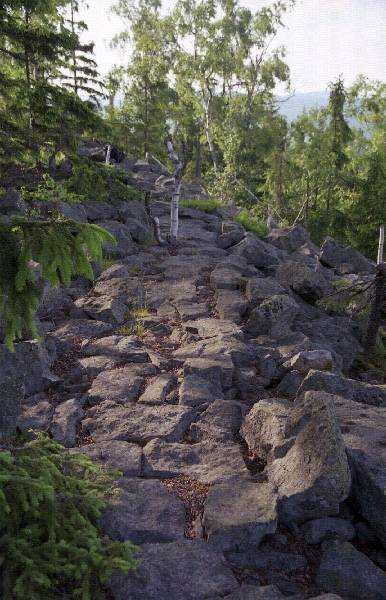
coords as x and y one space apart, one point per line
252 468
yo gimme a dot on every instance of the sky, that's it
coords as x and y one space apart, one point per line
324 39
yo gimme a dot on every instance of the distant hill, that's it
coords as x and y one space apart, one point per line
294 106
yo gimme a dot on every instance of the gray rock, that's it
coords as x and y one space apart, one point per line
226 277
90 367
28 364
99 211
209 328
116 271
259 289
196 390
73 330
73 211
158 389
119 385
217 369
65 420
239 513
12 204
38 416
318 530
274 316
125 347
137 423
374 395
117 455
344 570
288 239
11 397
290 384
138 231
220 421
124 241
54 301
255 251
267 560
169 572
344 259
231 305
133 210
104 308
209 461
144 512
230 238
363 429
309 284
320 360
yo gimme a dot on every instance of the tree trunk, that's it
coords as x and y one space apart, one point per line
377 305
154 220
197 170
176 192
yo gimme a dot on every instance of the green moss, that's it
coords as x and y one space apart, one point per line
50 504
252 224
208 206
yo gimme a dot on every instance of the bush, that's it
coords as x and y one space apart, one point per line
50 504
252 224
208 206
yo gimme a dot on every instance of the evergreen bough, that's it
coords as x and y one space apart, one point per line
62 247
50 504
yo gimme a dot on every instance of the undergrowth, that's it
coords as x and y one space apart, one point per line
208 206
251 223
50 544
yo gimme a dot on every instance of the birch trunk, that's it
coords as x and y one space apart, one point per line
177 188
381 244
208 131
108 154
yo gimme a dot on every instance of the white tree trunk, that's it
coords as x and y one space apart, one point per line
108 154
381 244
208 131
177 188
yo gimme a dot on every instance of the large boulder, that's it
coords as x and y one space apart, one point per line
351 389
306 456
288 239
344 570
321 360
124 241
274 316
344 259
29 365
363 429
256 252
309 284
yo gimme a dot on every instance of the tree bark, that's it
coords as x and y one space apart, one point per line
177 188
197 170
377 306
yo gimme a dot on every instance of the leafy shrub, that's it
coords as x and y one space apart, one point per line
208 206
50 190
252 224
96 181
50 504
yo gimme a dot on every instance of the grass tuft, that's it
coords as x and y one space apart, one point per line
208 206
252 224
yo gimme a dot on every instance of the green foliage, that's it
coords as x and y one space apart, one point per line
377 361
51 191
50 504
208 206
96 181
61 247
251 223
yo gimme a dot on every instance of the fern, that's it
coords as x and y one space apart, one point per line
50 504
63 249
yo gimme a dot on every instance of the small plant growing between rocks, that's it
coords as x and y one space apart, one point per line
252 224
50 504
208 206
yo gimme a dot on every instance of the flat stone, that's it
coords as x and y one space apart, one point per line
210 328
374 395
344 570
158 389
65 420
217 369
91 366
117 455
225 277
119 385
196 390
256 252
208 461
239 513
220 421
144 512
259 289
169 572
137 423
119 346
267 560
71 331
231 305
104 308
318 530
